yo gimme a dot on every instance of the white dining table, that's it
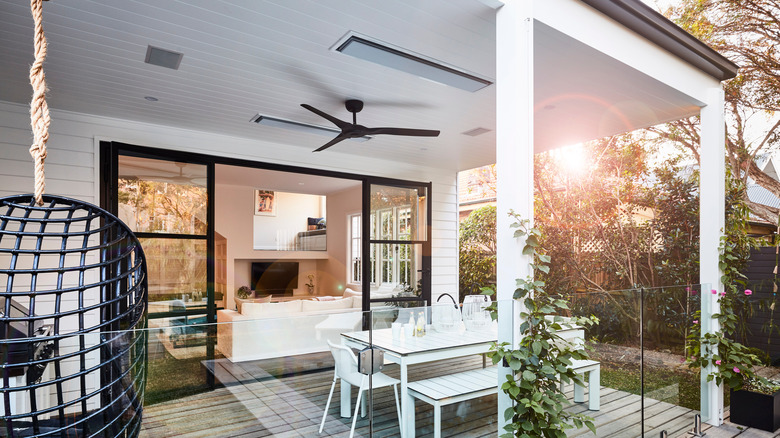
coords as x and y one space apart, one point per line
413 350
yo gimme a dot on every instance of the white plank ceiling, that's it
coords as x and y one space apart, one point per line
247 57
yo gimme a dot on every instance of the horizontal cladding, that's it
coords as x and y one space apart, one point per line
71 161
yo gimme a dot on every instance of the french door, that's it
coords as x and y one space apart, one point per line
166 200
396 240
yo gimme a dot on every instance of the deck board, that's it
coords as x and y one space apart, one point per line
257 399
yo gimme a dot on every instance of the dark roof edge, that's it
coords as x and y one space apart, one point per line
652 25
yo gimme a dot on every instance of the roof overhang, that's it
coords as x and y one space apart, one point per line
602 67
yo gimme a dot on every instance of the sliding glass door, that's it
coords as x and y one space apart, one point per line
165 201
398 270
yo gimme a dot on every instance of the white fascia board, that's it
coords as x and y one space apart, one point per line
581 22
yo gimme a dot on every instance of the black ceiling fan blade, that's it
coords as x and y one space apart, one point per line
340 123
338 138
402 131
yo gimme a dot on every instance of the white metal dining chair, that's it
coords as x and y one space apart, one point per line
347 370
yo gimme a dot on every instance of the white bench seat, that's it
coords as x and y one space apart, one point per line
593 369
467 385
452 388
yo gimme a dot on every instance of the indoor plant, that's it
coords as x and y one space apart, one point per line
243 292
542 359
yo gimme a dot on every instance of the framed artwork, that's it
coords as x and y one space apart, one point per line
265 203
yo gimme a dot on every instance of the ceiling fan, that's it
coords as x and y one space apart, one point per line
353 130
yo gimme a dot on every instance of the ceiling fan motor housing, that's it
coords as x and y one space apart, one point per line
354 105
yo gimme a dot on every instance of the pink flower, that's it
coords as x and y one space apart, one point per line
723 294
717 362
736 370
687 289
748 292
714 292
695 321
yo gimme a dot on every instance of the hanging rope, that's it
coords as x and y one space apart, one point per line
39 110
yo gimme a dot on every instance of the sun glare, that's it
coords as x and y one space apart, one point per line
571 159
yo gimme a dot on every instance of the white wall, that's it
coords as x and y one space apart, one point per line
71 172
73 154
292 211
333 271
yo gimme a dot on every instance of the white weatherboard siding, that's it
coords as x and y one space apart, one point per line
70 171
74 140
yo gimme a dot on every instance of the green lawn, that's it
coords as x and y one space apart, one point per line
677 386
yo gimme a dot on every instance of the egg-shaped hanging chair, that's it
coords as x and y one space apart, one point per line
73 290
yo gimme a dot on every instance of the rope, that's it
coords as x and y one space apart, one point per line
39 110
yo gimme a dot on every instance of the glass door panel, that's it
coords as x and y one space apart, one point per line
166 203
401 212
398 248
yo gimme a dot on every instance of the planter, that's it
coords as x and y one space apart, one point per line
756 410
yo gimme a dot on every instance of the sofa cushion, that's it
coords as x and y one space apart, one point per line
240 301
357 302
324 298
315 306
271 310
352 293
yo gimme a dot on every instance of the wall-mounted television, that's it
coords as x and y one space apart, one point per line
278 278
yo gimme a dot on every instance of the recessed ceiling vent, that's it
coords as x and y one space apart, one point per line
369 49
475 132
163 58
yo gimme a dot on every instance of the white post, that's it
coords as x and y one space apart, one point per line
514 163
712 221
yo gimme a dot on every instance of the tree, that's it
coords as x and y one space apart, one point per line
477 251
619 222
745 31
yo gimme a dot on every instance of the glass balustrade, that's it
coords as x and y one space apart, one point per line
269 371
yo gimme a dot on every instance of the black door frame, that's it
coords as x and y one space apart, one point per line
366 242
109 161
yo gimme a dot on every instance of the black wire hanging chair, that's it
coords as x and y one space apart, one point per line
73 292
73 289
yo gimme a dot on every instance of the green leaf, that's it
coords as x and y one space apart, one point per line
529 376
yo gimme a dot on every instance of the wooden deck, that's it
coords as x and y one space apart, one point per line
286 399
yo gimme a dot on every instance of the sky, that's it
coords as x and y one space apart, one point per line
659 4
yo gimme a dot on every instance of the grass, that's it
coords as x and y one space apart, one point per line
170 378
677 386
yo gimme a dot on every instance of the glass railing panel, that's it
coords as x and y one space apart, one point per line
256 375
613 346
429 349
672 390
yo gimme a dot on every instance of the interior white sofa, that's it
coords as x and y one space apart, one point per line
269 330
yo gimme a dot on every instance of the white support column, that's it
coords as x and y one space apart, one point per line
712 221
514 162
